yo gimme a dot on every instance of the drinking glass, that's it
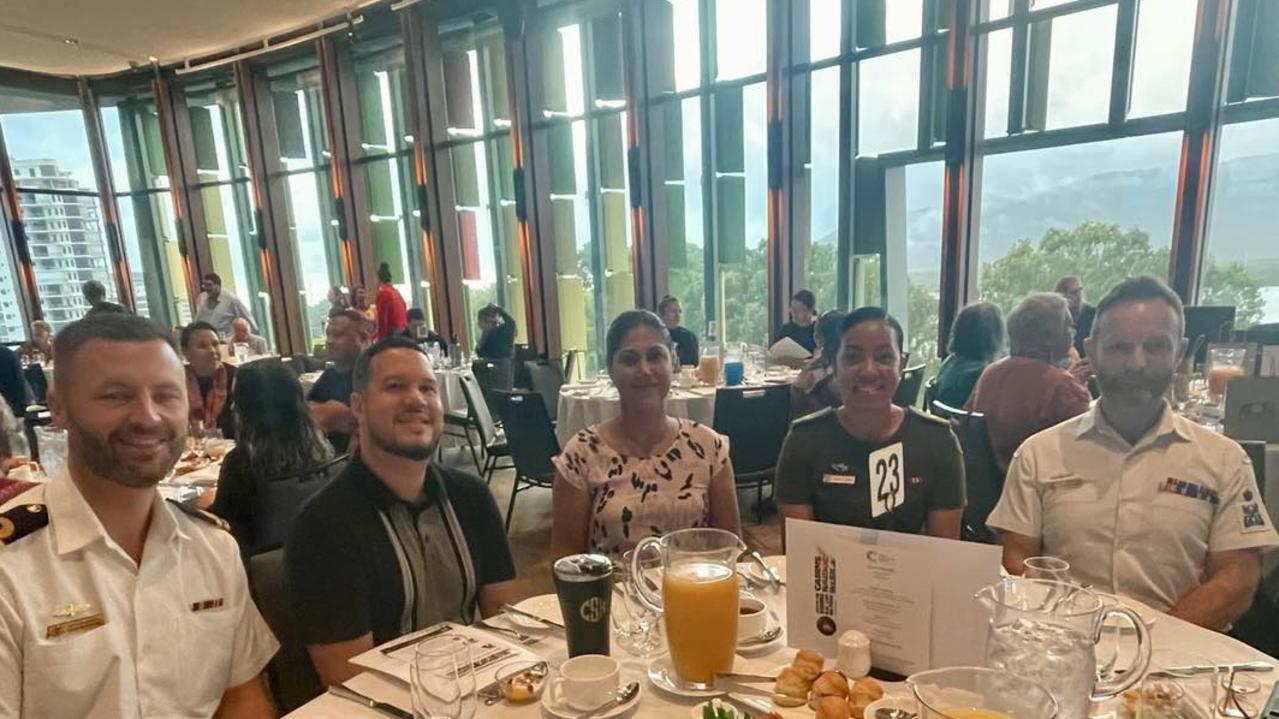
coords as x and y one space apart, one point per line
637 627
241 351
441 683
1240 696
977 693
1044 567
1163 695
1224 364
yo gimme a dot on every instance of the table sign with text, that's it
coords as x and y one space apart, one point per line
912 595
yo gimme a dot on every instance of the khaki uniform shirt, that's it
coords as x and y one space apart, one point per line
86 632
1135 520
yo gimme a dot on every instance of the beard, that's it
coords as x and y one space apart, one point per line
386 442
1135 386
101 456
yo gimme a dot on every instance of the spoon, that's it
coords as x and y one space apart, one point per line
622 696
764 638
893 713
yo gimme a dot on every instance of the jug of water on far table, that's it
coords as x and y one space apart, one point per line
1047 631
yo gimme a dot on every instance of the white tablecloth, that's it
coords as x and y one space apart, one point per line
582 406
1167 632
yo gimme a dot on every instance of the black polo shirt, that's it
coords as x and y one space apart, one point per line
334 384
344 563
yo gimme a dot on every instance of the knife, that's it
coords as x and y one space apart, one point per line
388 709
527 615
1192 669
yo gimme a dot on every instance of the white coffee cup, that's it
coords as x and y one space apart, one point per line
585 682
752 617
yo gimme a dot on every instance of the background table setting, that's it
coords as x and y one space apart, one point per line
583 404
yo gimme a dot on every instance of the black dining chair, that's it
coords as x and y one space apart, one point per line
290 674
477 429
983 479
930 392
531 441
546 379
493 374
907 394
278 501
755 420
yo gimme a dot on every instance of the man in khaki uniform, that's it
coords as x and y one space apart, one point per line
1140 501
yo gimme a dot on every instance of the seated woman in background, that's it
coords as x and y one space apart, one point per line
209 379
815 388
801 326
643 473
276 438
871 463
976 340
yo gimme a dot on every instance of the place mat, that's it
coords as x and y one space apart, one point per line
488 652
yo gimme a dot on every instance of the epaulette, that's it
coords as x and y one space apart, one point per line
21 521
203 516
814 416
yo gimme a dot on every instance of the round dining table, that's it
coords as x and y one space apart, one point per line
1167 632
588 404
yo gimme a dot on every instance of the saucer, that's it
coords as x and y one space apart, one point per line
766 647
662 674
563 711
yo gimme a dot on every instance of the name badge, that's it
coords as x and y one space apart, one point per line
72 626
839 479
206 605
886 486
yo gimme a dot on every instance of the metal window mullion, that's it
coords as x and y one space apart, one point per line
710 277
848 91
595 197
1122 66
1019 64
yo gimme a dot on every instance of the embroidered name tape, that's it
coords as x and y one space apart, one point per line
206 604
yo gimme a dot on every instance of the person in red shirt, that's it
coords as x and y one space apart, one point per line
392 313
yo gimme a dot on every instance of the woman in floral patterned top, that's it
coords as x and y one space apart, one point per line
642 473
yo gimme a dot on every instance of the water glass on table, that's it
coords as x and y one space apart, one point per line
637 627
441 681
1045 567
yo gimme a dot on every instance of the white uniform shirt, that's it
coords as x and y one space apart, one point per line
1134 520
179 630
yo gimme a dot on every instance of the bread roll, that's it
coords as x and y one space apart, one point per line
866 687
809 664
791 684
831 684
832 708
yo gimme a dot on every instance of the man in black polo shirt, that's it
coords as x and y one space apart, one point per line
396 542
329 401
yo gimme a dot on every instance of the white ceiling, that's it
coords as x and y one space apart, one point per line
111 33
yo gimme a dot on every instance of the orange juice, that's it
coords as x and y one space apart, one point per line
709 369
701 619
1219 376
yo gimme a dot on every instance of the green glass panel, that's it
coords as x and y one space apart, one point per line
607 51
214 220
560 151
369 93
730 155
730 219
565 237
676 243
617 255
288 125
673 140
572 298
466 185
619 293
381 199
206 156
612 153
154 144
872 23
499 102
386 247
458 105
1041 38
553 94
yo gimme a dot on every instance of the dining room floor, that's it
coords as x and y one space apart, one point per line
530 536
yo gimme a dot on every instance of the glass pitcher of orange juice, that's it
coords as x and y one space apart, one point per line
698 599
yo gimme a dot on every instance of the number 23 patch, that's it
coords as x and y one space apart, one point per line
887 483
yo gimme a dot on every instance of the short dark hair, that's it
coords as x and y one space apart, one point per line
872 314
364 363
415 313
356 317
384 272
978 332
489 310
1060 287
627 321
1144 287
213 277
191 329
110 326
94 291
667 301
806 298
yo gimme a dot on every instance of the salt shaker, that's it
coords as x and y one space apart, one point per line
854 654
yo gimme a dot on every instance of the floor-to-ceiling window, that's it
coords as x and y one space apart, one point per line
1080 178
222 180
1241 257
135 150
53 177
584 118
297 120
478 143
385 158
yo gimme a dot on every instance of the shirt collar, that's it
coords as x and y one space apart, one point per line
381 496
75 525
1170 424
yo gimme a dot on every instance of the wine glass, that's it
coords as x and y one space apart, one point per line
441 680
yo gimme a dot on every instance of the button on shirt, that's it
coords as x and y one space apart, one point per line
1135 520
180 629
